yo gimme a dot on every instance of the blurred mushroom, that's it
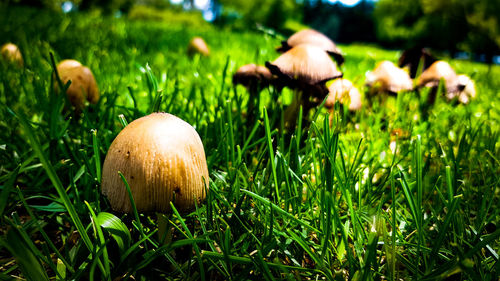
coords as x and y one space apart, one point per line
437 72
343 91
464 89
305 68
413 57
254 78
198 46
83 86
388 78
12 55
163 160
316 38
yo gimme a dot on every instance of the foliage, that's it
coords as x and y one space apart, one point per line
272 14
352 201
446 25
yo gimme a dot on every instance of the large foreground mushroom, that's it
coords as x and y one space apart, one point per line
316 38
305 68
83 87
163 160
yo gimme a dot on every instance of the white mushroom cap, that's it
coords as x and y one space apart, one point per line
316 38
343 90
387 77
160 156
437 71
307 63
465 89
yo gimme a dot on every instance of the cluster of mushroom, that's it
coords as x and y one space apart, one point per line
389 78
306 67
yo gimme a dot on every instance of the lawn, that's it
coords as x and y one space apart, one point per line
353 201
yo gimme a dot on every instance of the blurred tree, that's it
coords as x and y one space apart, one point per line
272 13
450 25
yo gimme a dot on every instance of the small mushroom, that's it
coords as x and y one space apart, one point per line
464 89
388 78
83 86
343 91
163 160
198 46
436 72
316 38
305 68
431 77
254 78
12 55
413 57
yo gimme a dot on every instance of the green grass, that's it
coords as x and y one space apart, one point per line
317 203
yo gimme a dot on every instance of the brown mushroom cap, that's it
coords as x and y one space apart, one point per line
387 77
316 38
11 54
83 85
250 74
160 155
198 46
305 63
343 90
437 71
68 63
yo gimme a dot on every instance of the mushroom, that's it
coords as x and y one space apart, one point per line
305 68
316 38
343 91
431 77
388 78
413 57
198 46
437 71
464 90
83 86
12 55
163 160
254 78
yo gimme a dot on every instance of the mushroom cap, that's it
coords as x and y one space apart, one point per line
463 88
160 155
437 71
12 54
198 46
306 63
316 38
387 77
68 63
250 74
343 90
83 84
